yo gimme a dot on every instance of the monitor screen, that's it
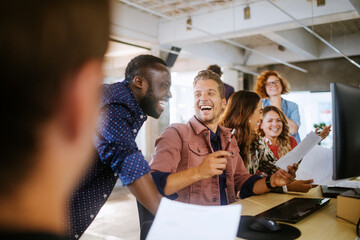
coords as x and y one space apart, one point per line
346 127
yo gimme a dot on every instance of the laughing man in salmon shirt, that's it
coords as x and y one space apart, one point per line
190 163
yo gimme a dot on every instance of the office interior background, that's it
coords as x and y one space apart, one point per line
310 42
244 37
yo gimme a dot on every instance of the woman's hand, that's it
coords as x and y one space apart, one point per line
301 185
324 132
282 177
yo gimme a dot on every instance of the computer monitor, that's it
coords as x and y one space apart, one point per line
346 130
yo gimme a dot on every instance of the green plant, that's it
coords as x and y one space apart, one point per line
320 126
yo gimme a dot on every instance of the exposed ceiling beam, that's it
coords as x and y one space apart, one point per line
214 35
315 34
234 54
356 4
296 40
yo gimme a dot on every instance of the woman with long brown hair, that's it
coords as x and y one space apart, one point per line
243 112
274 127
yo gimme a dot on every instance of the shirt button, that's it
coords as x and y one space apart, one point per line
76 236
141 116
134 130
214 199
115 174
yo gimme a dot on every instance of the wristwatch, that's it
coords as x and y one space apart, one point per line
268 183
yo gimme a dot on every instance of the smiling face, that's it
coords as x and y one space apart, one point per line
208 103
158 92
255 118
273 86
272 125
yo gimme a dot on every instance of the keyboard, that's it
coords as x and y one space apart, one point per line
294 210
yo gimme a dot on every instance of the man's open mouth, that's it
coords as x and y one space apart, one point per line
163 103
205 108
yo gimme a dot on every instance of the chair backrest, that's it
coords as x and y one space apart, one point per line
145 220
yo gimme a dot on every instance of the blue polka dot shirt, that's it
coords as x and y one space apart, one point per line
117 155
120 121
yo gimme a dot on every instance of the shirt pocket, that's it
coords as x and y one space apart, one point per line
197 153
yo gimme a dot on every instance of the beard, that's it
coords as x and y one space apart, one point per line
148 104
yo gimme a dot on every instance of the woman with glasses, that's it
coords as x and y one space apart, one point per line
270 86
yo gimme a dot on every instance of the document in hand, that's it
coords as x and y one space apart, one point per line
318 165
295 155
179 221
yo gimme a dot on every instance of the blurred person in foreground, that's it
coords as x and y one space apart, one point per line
52 55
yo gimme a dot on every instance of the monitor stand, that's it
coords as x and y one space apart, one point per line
333 192
354 193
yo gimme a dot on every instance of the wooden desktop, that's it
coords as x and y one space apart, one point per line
322 224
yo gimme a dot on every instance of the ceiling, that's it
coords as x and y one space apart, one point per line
239 34
186 8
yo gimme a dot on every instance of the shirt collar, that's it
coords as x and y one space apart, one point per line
133 104
212 134
267 141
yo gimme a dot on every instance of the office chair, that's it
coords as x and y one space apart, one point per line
145 219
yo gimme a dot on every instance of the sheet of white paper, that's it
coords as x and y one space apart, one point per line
298 153
179 221
318 165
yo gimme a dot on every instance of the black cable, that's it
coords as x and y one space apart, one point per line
357 228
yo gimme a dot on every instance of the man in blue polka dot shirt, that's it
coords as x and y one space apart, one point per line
124 108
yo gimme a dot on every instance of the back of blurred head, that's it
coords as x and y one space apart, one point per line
52 55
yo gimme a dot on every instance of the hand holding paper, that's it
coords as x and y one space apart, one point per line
295 155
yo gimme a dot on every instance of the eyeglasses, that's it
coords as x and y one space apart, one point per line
275 83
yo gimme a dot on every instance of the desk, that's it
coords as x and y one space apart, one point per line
322 224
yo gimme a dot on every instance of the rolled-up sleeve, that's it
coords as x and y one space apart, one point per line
116 146
160 179
247 187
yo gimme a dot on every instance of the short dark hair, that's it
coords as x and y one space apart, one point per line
216 69
208 74
42 44
139 65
